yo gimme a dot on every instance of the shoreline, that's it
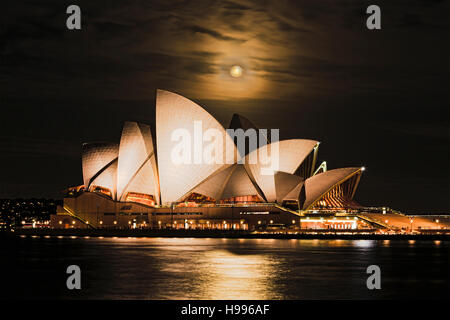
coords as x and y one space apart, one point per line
148 233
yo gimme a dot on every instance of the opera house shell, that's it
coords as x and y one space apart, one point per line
139 171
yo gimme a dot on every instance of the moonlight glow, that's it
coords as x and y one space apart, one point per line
236 71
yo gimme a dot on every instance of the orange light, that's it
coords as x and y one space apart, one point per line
236 71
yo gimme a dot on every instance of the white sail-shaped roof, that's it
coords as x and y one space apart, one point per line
137 171
239 184
291 154
214 185
285 183
107 179
231 182
295 193
96 159
136 166
240 122
177 116
318 185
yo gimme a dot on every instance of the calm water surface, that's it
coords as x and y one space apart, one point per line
188 268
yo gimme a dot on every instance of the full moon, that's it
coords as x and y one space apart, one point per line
236 71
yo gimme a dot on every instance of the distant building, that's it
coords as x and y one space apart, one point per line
26 212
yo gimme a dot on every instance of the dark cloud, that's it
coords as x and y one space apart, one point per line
235 6
31 147
212 33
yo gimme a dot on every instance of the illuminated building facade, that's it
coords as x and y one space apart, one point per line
136 183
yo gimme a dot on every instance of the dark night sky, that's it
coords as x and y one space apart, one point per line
311 68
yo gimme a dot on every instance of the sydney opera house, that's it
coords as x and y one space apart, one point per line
137 184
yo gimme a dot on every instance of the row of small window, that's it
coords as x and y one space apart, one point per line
125 214
259 212
155 213
177 213
186 213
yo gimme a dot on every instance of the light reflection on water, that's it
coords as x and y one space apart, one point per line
226 275
192 268
218 273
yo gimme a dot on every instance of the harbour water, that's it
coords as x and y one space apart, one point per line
193 268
